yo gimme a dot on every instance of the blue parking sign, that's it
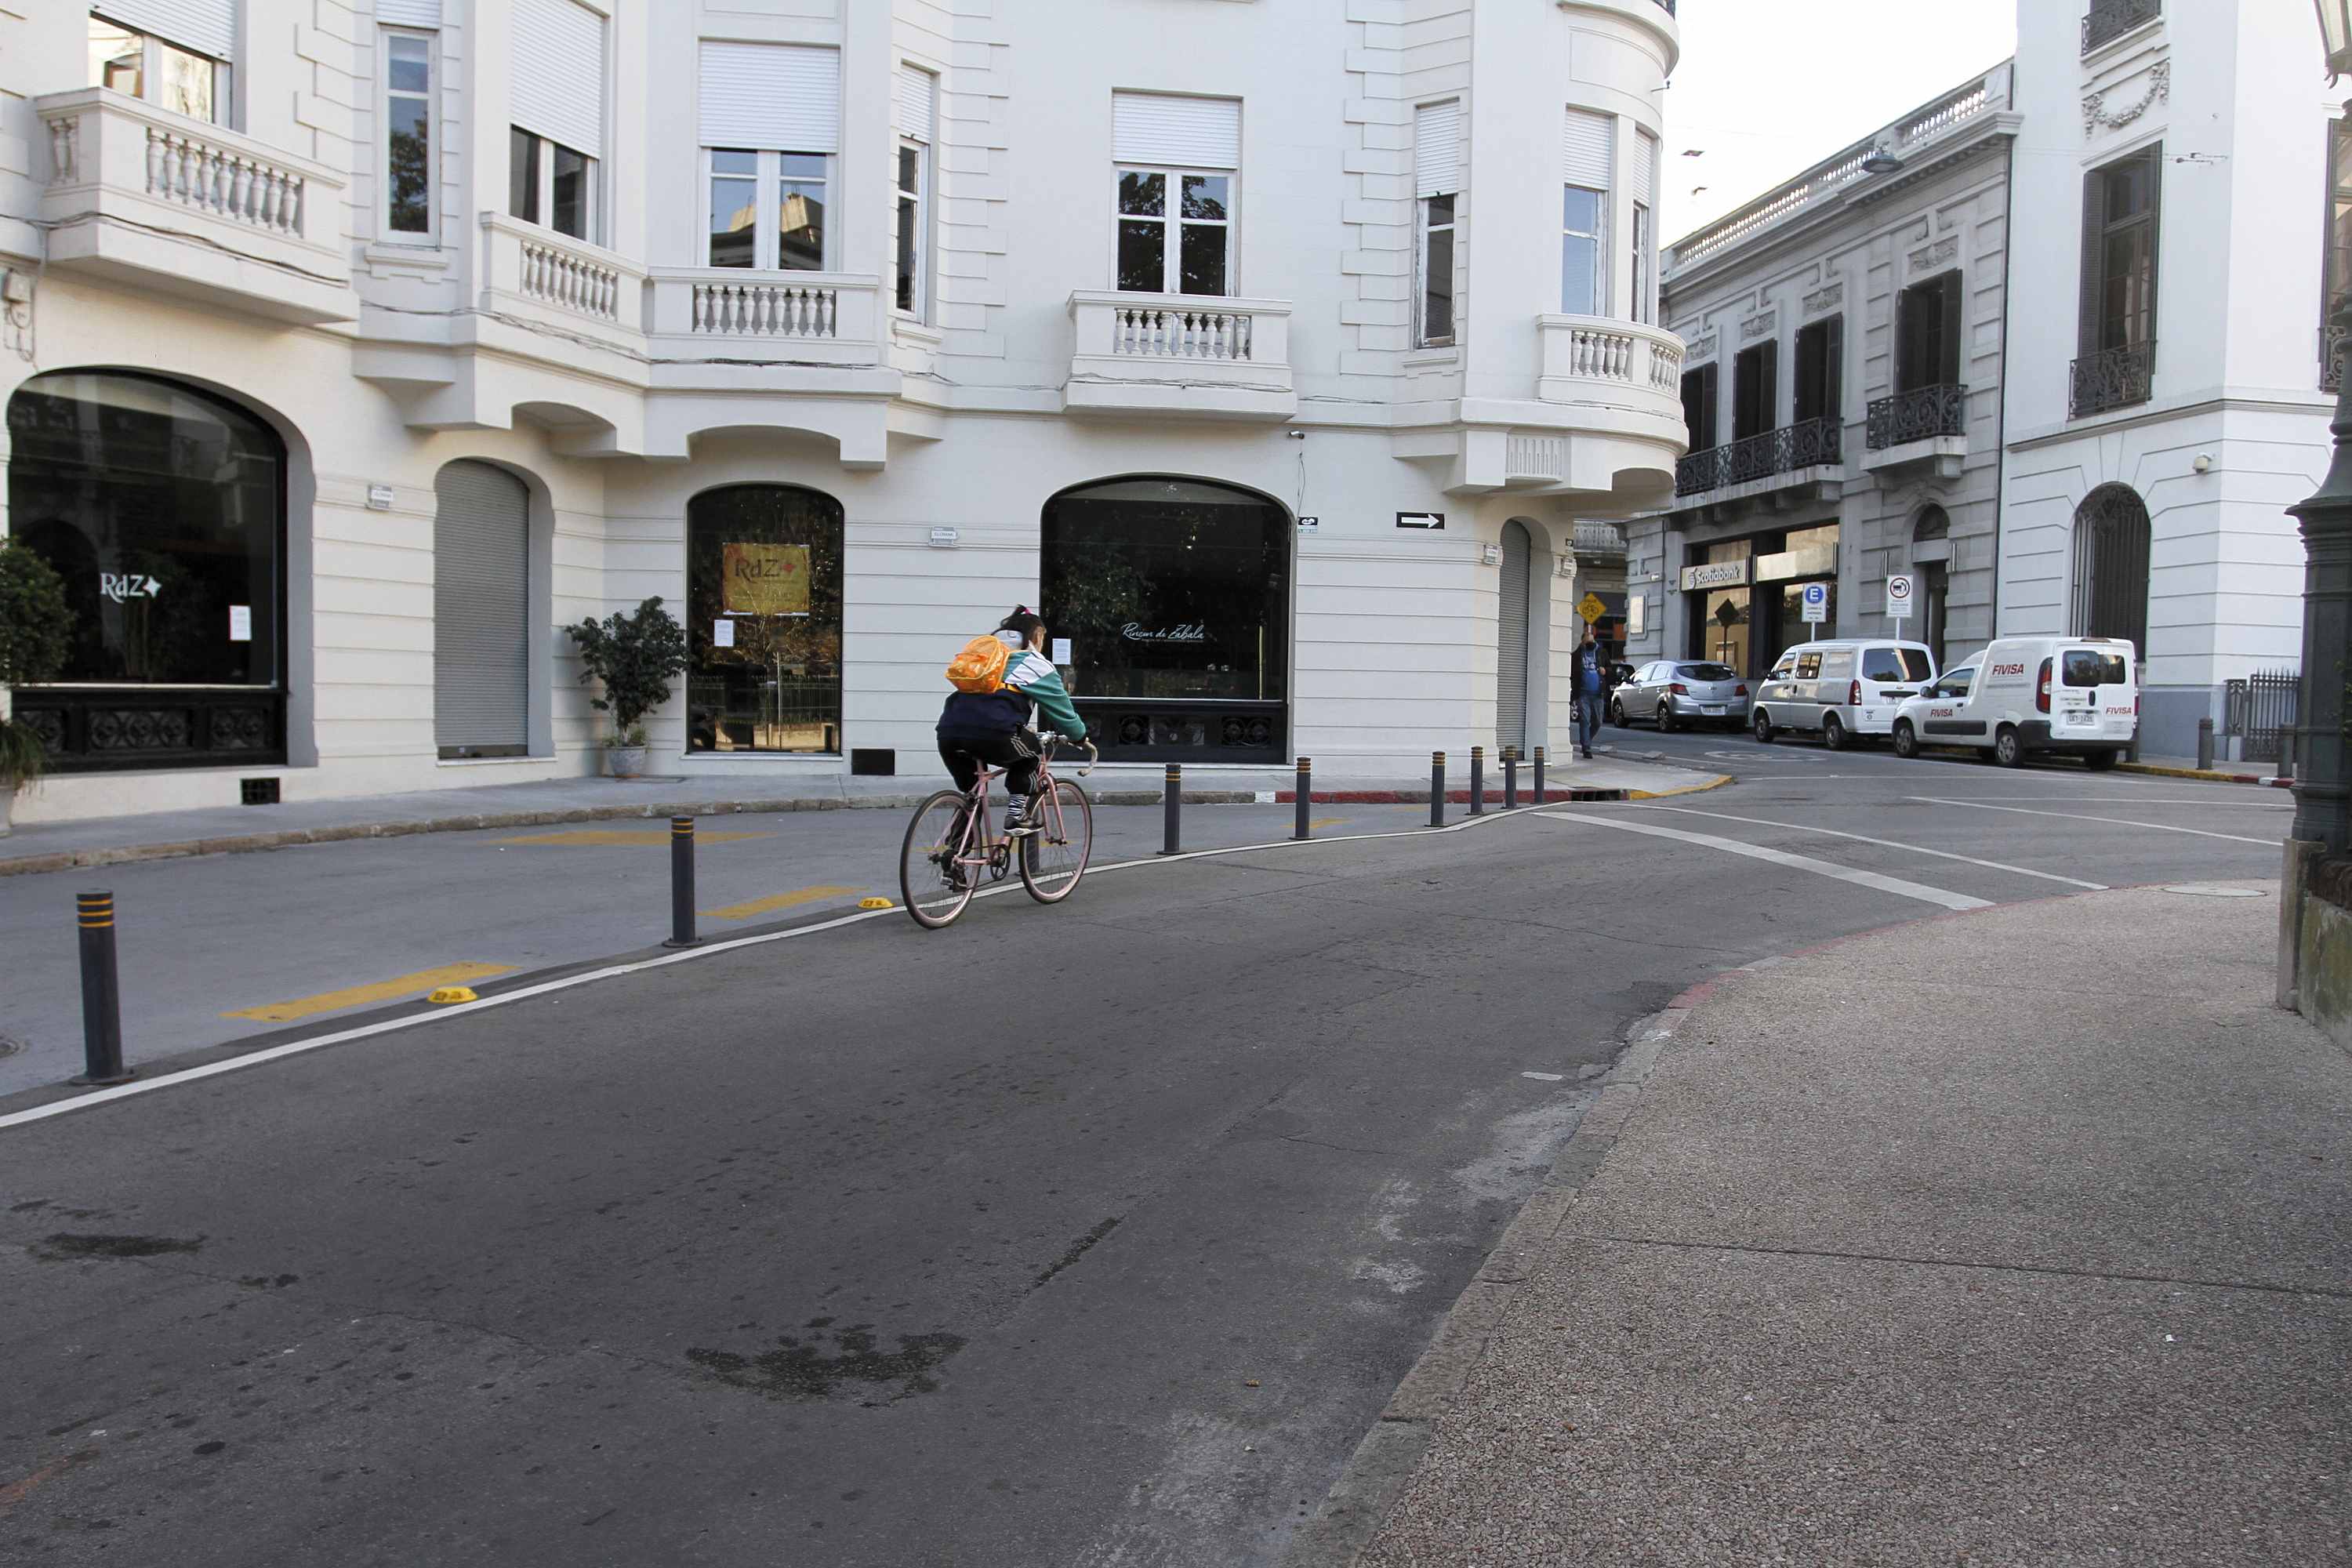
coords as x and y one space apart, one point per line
1816 601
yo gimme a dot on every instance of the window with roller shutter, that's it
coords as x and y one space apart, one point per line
481 612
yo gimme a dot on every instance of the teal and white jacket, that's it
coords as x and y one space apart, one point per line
1029 677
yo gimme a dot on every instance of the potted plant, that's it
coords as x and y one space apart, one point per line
34 627
633 657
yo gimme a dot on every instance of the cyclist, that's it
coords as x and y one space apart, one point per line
993 728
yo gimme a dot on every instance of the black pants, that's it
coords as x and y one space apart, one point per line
1015 750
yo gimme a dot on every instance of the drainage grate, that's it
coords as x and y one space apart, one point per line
257 791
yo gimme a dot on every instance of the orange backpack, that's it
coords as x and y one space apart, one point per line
981 665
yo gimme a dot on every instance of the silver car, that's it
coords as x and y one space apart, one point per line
1670 692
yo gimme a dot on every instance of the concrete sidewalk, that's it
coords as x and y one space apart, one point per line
221 830
2010 1238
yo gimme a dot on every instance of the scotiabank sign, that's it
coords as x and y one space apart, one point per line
1715 574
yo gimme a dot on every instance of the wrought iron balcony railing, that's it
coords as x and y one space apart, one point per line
2112 378
2113 18
1919 415
1811 444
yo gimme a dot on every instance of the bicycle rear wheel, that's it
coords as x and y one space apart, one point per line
936 887
1054 858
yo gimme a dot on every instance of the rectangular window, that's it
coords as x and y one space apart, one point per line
917 98
1699 393
1646 240
2119 254
1173 229
771 116
1589 157
1755 390
2337 265
408 132
1927 334
1820 354
1437 183
1173 217
550 183
146 67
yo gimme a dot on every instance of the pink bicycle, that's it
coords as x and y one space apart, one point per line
949 848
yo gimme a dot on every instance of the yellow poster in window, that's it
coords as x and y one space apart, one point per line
766 579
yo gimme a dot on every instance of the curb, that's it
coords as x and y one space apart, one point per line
2212 776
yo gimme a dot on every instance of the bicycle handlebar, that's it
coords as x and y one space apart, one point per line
1054 738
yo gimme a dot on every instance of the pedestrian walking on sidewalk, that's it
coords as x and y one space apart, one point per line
1591 691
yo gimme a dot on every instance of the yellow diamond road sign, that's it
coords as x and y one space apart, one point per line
1591 607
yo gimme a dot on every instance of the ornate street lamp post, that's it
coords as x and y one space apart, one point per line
2322 788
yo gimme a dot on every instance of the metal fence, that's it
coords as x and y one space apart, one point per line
2261 709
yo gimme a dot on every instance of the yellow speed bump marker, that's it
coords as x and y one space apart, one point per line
875 904
452 994
446 978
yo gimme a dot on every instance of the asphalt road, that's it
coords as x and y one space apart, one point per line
1094 1235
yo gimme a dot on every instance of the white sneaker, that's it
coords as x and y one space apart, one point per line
1016 821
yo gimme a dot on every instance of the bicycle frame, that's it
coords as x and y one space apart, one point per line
994 853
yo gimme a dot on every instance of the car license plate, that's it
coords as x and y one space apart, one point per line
1711 707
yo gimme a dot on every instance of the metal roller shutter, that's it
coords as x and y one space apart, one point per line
1176 132
481 610
208 26
558 86
1437 150
1591 149
775 98
918 96
1511 639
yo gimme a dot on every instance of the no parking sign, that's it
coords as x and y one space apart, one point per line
1899 596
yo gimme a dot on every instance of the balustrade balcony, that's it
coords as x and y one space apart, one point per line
721 313
1596 359
2112 378
1180 354
167 204
536 275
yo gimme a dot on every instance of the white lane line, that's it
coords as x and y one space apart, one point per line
1888 843
2117 821
1895 885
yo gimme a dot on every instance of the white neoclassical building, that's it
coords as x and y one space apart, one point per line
357 347
2051 346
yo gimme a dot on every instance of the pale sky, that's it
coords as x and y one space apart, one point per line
1768 87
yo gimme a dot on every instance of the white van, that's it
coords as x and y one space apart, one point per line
1843 687
2075 696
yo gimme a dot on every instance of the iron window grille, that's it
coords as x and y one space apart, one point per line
2110 19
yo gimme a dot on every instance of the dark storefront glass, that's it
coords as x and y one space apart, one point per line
163 509
764 563
1174 594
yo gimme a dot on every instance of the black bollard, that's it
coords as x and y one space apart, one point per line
1540 761
2204 745
1173 801
1477 780
101 996
681 883
1306 794
1510 778
1438 789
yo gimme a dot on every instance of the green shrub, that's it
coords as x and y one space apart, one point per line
36 630
634 657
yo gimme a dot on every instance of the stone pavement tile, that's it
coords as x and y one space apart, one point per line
1708 1407
2011 1239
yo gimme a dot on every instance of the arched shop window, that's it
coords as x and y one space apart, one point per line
763 598
164 509
1173 598
2111 552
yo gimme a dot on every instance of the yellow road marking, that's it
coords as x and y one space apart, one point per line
1326 821
406 985
650 838
780 901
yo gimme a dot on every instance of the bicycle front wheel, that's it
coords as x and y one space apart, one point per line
936 884
1054 858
